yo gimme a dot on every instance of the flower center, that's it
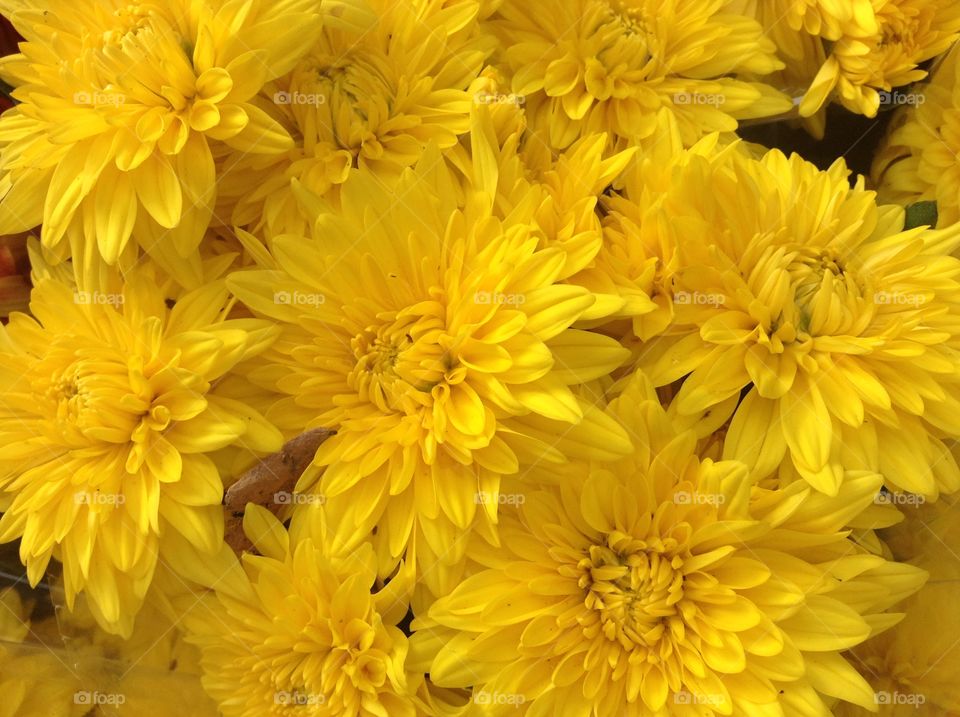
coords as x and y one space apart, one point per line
634 585
89 394
825 295
814 274
399 363
898 26
103 395
128 21
808 273
631 17
65 391
342 98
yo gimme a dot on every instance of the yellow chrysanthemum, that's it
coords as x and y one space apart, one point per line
830 19
436 340
63 665
218 255
36 683
919 159
909 32
33 680
799 29
639 250
153 673
119 104
297 630
561 191
775 279
914 665
588 66
851 51
108 405
384 79
661 584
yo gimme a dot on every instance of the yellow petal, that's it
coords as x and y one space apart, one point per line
158 189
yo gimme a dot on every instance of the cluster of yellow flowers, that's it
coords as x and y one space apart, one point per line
619 414
855 51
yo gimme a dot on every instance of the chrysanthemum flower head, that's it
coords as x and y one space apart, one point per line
638 254
118 106
108 406
782 281
32 677
827 18
860 49
858 69
913 665
451 367
304 631
918 160
608 65
154 672
562 191
664 584
383 80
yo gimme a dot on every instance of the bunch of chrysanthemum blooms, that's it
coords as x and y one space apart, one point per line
618 411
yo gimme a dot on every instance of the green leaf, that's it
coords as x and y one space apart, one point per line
921 214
